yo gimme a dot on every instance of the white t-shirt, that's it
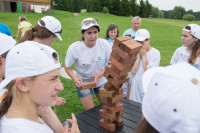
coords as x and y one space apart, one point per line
21 125
89 61
153 60
181 55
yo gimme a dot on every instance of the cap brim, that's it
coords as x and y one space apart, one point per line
89 26
58 35
4 83
147 76
138 38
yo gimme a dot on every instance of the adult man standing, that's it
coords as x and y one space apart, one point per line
136 23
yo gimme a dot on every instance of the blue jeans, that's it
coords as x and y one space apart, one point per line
87 92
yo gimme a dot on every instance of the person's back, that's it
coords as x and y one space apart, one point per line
4 29
24 26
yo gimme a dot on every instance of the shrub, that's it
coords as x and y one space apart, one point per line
188 17
105 10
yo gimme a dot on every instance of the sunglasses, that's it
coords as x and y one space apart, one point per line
88 22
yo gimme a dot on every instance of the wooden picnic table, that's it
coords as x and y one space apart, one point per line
88 121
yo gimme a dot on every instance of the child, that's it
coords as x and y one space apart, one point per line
23 26
45 32
6 43
31 85
190 52
112 33
148 57
90 56
171 101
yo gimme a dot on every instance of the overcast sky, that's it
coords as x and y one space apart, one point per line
170 4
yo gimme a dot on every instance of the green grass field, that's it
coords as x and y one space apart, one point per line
165 36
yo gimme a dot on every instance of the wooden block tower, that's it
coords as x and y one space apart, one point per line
123 57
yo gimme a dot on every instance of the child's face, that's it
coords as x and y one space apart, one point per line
43 90
113 34
187 39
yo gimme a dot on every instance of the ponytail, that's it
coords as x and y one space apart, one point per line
195 53
6 102
28 35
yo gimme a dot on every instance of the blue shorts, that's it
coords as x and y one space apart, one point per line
87 92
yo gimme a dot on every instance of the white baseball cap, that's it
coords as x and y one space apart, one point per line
29 59
52 24
89 22
6 43
171 101
193 29
141 35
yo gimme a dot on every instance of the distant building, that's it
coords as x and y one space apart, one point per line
39 6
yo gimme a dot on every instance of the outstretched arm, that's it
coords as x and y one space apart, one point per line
73 77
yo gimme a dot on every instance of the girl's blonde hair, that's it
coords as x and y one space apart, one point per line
12 91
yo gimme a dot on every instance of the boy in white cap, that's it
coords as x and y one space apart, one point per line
171 101
190 52
90 55
148 57
6 43
32 85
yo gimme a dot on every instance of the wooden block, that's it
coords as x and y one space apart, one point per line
113 109
117 71
119 113
111 126
113 74
119 122
88 85
117 83
111 117
105 93
119 91
123 54
119 65
130 46
120 39
108 100
108 86
107 121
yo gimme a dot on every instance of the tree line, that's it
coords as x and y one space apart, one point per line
125 8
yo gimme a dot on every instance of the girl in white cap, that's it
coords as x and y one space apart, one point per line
32 86
171 101
90 55
190 51
45 32
6 43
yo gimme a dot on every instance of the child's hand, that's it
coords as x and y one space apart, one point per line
74 128
142 51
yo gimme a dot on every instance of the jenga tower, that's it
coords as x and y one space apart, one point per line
123 57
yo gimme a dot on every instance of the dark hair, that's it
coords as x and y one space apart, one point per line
145 127
112 27
37 31
195 50
4 54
